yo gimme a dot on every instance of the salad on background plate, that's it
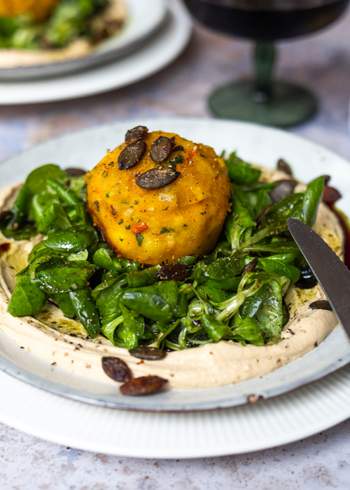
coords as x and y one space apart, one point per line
45 31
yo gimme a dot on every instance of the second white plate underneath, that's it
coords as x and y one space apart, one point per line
156 53
267 424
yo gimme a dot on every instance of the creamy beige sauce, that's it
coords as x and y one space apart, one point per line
206 366
14 58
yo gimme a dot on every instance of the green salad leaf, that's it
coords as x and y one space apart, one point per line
27 298
241 172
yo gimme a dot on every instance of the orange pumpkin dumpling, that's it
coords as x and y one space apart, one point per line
39 9
158 197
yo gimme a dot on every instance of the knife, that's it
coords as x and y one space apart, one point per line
331 272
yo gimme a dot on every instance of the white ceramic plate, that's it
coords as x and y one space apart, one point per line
267 424
157 52
256 143
142 22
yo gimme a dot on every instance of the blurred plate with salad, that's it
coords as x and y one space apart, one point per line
48 37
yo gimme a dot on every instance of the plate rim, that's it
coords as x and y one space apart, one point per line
57 389
127 403
177 119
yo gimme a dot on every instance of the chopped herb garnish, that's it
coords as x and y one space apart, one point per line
165 229
177 160
139 239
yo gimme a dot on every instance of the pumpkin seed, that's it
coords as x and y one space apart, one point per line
331 195
148 353
176 272
283 166
321 304
116 369
158 177
145 385
283 188
327 179
135 134
307 279
4 247
131 155
75 172
250 267
161 149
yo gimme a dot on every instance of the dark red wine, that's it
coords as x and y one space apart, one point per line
267 20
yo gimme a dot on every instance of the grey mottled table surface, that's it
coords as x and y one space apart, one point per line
322 461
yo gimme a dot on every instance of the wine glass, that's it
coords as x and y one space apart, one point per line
263 99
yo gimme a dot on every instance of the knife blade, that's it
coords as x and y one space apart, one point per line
330 271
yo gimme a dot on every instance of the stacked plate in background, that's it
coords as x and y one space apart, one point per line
151 39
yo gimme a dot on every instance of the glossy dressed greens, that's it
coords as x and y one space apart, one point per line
69 20
235 293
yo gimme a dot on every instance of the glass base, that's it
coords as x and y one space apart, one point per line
288 104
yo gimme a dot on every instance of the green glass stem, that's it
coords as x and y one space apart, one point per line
265 55
262 99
